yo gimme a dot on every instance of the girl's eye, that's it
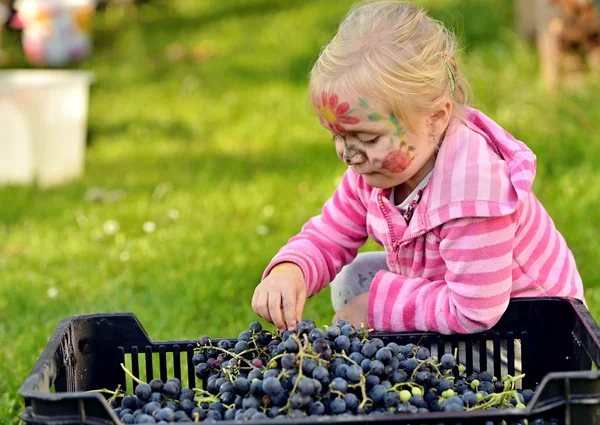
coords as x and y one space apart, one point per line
370 141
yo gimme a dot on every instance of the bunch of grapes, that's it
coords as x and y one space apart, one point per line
313 372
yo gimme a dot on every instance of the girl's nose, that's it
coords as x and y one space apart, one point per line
352 157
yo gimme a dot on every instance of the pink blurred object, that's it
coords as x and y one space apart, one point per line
55 32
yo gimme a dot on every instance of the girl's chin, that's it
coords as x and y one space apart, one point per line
381 181
378 180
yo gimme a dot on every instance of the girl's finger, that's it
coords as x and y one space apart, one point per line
275 310
289 309
262 306
300 302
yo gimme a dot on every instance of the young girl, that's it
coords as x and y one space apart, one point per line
443 188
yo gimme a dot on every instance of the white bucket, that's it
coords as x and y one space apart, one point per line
43 126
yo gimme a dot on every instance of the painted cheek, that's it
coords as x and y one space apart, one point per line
397 161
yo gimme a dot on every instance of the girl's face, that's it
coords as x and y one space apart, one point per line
369 138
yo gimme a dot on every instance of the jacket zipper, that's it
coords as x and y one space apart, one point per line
395 244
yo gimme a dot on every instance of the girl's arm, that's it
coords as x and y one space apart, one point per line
475 291
330 240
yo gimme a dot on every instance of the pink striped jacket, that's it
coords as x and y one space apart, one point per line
478 237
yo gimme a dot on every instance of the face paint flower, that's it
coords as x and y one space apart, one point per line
333 114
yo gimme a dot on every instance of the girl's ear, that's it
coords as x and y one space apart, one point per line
441 116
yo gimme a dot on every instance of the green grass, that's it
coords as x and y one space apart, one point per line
230 142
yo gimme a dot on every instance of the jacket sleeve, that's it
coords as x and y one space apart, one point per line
330 240
475 291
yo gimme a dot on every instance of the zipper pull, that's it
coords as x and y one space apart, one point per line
395 251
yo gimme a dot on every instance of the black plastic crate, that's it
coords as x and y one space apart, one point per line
559 340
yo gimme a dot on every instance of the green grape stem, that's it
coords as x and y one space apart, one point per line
363 379
131 375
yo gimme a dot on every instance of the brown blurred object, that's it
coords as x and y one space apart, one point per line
567 34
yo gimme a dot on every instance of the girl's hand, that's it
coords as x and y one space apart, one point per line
282 291
355 311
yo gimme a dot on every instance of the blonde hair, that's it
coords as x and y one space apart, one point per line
396 52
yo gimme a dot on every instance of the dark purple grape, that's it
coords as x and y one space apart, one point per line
254 374
187 405
399 376
527 395
356 357
199 413
271 386
303 327
337 406
377 393
264 338
217 406
354 373
410 365
225 344
241 386
256 388
407 350
394 348
384 355
149 408
351 402
308 365
214 414
127 419
448 361
469 398
181 416
247 415
172 405
171 389
316 408
332 332
306 386
291 346
423 377
143 392
227 398
129 402
255 327
320 345
340 322
229 414
355 346
166 414
376 368
241 346
444 385
342 343
315 334
145 419
279 399
289 361
339 384
423 353
486 376
157 397
250 401
369 350
321 374
340 371
365 365
372 380
391 399
186 394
